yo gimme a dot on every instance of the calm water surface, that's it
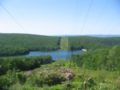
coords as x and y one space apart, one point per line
56 55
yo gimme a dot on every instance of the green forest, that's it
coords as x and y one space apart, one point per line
18 44
96 69
92 42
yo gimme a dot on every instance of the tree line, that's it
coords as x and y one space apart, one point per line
105 58
18 44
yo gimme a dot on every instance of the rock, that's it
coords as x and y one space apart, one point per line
68 74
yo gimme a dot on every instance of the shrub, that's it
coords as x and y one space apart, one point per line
50 78
22 63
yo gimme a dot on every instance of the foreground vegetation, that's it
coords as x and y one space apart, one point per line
106 59
53 77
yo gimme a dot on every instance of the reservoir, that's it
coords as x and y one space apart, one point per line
56 55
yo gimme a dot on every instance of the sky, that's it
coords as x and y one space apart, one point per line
60 17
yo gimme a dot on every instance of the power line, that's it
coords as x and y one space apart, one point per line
86 16
13 18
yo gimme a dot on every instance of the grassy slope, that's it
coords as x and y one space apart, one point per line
84 79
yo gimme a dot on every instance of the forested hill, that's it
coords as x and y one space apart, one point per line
92 42
18 44
15 44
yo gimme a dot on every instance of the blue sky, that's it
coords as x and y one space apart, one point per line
60 17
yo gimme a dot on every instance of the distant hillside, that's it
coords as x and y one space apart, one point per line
13 44
92 42
17 44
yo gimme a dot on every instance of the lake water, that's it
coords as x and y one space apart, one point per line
56 55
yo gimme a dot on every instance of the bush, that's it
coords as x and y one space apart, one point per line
22 63
21 78
50 78
7 80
